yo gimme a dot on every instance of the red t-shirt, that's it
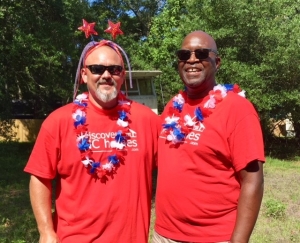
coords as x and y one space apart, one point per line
197 188
88 210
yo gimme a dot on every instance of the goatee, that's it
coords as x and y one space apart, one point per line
105 96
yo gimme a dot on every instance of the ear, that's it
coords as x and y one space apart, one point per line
83 75
218 62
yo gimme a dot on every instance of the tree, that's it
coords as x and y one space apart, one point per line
136 18
39 42
42 45
157 51
258 42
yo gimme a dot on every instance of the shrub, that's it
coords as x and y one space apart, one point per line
275 209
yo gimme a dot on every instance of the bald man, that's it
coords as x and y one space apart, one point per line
100 150
210 156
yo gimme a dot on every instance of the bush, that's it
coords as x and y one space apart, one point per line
275 209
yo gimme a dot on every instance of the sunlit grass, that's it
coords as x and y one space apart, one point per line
282 180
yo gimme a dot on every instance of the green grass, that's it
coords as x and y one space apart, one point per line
279 219
17 224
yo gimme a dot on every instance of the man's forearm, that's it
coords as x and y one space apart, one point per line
40 197
248 206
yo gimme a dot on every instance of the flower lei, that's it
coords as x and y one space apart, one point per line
177 129
96 168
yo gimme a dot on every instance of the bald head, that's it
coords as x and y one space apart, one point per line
101 54
206 41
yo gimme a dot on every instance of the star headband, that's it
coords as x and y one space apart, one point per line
88 29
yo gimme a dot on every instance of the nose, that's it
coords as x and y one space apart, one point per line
193 57
106 75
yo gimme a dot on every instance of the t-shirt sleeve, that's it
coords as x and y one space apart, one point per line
246 140
45 154
157 127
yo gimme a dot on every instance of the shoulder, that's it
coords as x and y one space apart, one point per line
63 113
238 101
238 108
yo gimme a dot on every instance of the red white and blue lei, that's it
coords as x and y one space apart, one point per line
176 129
96 168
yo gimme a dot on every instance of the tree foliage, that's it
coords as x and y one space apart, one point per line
38 41
258 42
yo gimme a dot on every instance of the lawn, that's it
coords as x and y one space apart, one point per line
279 219
17 223
278 222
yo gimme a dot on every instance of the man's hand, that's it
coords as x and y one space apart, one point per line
49 238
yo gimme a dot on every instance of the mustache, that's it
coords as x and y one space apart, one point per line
105 81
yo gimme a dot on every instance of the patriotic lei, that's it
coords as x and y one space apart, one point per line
96 168
176 129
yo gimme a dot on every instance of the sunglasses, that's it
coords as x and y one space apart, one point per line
201 54
100 69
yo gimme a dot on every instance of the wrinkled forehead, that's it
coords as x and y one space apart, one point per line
198 40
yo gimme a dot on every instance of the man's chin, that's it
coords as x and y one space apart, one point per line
107 96
193 83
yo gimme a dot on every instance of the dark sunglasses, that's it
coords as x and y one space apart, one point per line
100 69
201 54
